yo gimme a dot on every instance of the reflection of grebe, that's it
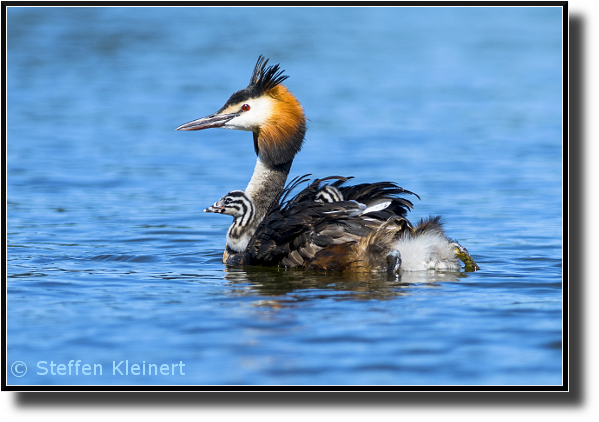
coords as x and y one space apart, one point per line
325 226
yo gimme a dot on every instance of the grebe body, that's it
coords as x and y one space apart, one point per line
333 235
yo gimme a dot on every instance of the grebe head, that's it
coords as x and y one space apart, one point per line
268 110
240 205
236 203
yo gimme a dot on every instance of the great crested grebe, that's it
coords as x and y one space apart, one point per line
327 225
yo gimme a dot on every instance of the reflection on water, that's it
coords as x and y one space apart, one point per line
281 281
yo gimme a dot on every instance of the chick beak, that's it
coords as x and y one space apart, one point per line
216 208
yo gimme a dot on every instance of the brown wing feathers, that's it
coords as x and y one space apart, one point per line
299 232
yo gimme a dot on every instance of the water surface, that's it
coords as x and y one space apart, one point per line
110 258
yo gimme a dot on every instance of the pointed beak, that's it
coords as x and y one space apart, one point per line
216 208
214 120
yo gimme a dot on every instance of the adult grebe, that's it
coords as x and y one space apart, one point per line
322 225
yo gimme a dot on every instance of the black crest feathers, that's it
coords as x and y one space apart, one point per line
265 78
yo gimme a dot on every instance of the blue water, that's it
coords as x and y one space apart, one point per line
111 260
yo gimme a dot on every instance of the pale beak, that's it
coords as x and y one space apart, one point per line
217 208
214 120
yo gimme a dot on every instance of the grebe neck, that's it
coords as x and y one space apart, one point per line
266 183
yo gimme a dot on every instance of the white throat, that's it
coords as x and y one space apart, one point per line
260 178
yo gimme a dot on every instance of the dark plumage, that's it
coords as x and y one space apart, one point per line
300 232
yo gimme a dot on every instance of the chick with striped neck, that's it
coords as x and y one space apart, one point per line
239 205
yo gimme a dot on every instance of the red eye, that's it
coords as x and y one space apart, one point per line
245 107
